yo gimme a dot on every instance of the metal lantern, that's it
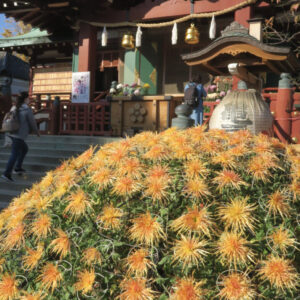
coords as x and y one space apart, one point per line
192 35
128 41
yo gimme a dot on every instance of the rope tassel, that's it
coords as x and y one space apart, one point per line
104 37
174 34
138 37
213 28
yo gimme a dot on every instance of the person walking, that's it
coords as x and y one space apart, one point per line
197 114
19 147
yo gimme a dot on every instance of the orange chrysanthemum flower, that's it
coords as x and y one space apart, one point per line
157 152
196 188
236 286
135 289
8 287
31 260
91 256
228 178
102 178
233 250
33 296
195 168
14 238
281 240
238 151
41 227
62 244
78 203
277 203
280 273
84 158
188 289
238 215
110 217
130 167
258 169
47 181
295 188
146 229
210 147
240 137
225 159
159 172
117 156
183 151
85 281
189 251
156 188
50 277
196 219
42 203
138 263
125 186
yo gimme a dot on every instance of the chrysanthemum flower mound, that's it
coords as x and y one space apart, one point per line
181 215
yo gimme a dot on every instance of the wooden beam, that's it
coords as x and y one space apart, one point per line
29 15
215 70
271 66
58 4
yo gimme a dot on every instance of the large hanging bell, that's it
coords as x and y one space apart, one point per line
192 35
128 41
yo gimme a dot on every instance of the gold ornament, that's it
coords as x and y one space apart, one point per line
294 140
128 41
192 35
273 113
296 113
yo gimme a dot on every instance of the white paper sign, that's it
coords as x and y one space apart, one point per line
81 87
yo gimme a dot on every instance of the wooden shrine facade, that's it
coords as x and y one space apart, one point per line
70 41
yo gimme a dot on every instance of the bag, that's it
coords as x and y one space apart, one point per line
10 122
191 96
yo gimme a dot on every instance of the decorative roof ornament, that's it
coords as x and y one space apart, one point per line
233 29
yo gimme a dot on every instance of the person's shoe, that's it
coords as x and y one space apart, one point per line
7 178
19 171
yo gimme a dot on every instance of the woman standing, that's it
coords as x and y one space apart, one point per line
197 114
19 147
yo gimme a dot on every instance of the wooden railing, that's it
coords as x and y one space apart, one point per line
85 118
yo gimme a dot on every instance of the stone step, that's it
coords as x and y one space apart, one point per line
33 158
17 185
59 146
87 140
6 195
35 167
50 152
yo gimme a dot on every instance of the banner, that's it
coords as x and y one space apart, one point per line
81 87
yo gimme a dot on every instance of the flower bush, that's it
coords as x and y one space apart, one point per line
219 89
178 215
129 90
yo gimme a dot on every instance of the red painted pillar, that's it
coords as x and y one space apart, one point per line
87 61
296 120
283 109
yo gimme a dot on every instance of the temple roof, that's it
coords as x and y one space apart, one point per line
237 46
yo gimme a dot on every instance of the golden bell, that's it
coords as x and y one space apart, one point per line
192 35
128 41
294 140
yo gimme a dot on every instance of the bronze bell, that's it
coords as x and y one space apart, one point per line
192 35
128 41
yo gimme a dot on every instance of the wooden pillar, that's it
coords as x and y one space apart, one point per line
283 109
87 53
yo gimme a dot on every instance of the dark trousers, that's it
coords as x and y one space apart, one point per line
18 151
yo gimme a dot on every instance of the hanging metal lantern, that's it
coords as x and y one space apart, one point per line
128 41
192 35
